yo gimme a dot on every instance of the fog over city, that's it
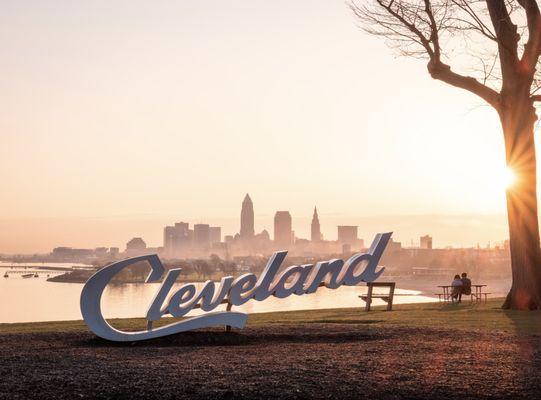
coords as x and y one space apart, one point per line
27 236
136 117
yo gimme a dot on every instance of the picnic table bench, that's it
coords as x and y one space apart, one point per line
477 295
388 297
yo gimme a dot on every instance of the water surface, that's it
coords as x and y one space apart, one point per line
35 299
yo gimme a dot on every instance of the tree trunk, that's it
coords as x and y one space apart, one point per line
518 118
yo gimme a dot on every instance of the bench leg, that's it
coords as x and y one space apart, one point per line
368 298
391 296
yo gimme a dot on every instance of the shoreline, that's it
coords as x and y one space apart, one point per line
361 307
404 299
492 306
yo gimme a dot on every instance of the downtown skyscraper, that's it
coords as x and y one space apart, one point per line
315 228
283 233
247 218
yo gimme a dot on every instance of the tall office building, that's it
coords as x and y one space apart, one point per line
347 234
169 239
201 236
283 234
176 239
215 234
247 218
315 228
426 242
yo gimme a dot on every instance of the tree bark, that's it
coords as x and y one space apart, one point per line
518 118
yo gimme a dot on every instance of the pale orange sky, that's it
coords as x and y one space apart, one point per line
113 110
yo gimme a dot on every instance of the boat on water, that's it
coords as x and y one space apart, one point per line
27 275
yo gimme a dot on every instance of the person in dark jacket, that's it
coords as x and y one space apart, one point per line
466 286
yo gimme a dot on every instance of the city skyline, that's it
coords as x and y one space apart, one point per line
448 230
182 237
169 135
180 241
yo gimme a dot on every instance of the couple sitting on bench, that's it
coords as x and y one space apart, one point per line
460 286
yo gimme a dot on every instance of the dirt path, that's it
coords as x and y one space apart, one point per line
278 361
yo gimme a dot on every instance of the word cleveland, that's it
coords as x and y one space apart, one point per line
297 279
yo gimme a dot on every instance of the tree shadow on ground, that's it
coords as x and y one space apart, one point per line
524 322
465 305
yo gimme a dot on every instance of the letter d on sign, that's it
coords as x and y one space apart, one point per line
372 258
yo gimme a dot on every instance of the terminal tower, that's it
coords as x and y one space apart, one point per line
315 228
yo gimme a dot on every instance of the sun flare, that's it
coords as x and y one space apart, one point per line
509 177
492 187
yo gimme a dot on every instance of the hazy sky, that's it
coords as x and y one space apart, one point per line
173 110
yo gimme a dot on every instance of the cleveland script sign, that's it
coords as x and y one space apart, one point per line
295 280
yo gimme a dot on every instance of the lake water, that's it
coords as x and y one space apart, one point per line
35 299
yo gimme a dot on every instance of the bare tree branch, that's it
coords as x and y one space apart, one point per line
420 23
443 72
532 49
476 22
507 35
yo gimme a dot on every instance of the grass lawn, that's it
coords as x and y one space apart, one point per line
486 317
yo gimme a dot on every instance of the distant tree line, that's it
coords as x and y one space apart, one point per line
203 269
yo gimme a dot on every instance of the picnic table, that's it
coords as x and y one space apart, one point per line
476 295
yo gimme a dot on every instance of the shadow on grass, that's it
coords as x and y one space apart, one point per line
343 321
524 322
222 338
466 306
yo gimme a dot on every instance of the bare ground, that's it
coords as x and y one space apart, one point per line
312 360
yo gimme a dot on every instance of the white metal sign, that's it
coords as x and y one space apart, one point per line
297 280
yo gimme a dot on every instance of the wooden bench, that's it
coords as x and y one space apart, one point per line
388 298
478 298
440 295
